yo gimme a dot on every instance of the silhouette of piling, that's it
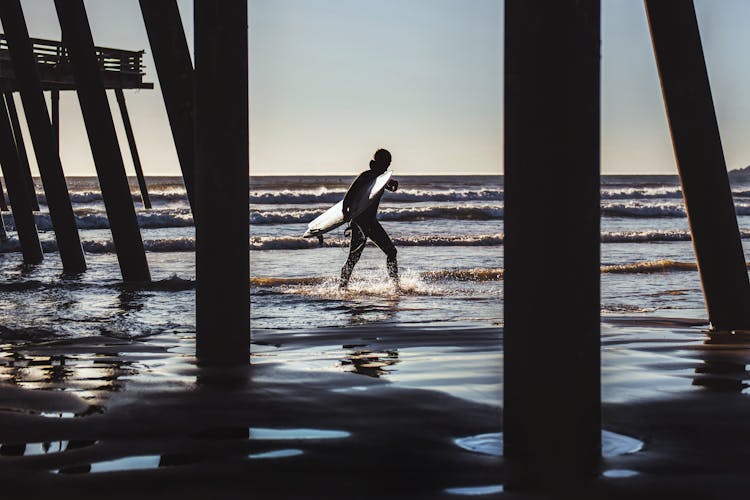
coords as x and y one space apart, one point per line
700 160
76 35
3 232
38 121
54 100
175 70
221 160
23 217
133 148
552 421
21 147
3 204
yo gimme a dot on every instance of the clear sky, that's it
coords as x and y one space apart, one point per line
332 80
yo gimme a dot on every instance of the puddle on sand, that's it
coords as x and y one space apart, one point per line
492 444
291 452
476 490
92 377
91 410
619 473
45 448
138 462
58 414
268 434
283 434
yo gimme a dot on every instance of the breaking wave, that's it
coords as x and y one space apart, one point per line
296 243
386 214
89 197
648 267
323 195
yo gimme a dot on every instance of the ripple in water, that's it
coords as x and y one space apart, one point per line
613 444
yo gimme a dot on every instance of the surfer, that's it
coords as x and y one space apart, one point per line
366 225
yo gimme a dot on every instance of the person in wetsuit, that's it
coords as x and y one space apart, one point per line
366 224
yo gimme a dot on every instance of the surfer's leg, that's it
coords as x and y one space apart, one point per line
378 235
355 252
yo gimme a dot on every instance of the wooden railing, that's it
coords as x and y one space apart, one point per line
54 55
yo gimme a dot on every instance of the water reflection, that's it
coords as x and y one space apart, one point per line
724 366
90 376
362 314
370 363
613 444
138 462
43 448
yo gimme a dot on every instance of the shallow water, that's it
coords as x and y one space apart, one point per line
448 231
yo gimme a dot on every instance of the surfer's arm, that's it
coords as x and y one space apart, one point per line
392 185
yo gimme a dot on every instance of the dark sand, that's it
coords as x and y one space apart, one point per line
394 396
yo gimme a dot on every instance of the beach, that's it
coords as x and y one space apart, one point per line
370 392
305 420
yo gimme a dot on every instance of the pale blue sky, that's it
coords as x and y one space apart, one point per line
332 80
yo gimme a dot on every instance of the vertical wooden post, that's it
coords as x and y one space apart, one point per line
35 109
221 168
133 148
23 216
76 35
3 232
21 147
700 160
3 204
552 421
55 104
175 70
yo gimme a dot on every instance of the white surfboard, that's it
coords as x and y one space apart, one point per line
334 216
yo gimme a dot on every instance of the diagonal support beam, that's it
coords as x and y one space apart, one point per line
133 148
551 421
100 127
35 109
21 147
175 70
23 217
700 160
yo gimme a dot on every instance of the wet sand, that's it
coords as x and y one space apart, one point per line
359 412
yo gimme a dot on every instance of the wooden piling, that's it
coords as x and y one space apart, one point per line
21 148
3 203
175 70
133 148
552 421
76 35
37 119
3 232
54 100
700 161
222 162
20 204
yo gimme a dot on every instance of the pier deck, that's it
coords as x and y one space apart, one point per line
120 69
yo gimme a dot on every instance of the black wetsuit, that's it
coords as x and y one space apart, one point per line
364 226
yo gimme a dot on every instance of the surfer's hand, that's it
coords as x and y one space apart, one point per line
347 211
392 185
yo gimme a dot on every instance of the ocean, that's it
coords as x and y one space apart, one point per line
448 231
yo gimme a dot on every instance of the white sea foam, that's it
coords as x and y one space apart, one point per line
295 243
459 212
373 284
323 195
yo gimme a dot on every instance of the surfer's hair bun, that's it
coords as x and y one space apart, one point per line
381 157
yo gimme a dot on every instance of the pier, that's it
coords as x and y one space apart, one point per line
551 412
